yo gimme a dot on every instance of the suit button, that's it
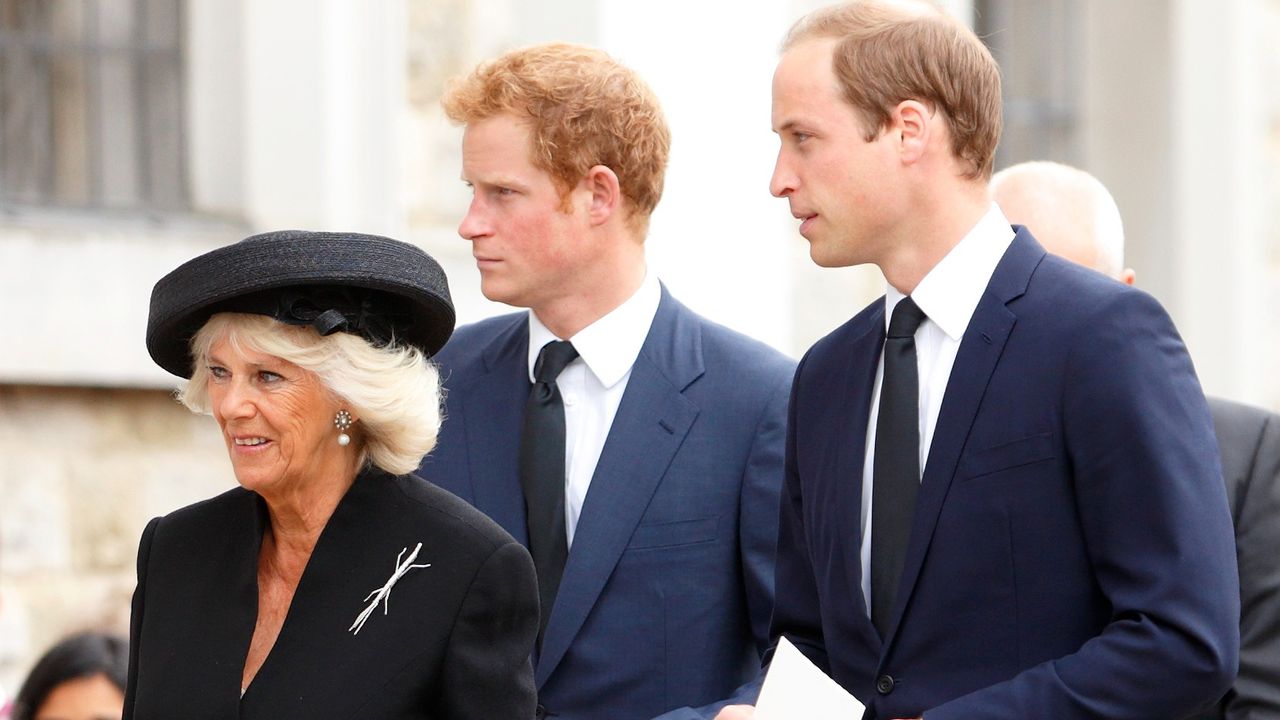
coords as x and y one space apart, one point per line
540 712
884 684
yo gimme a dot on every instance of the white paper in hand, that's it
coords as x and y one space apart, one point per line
795 688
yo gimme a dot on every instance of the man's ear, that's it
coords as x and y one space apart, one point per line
606 193
912 125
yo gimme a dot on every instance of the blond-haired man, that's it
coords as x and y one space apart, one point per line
1001 495
1081 222
653 520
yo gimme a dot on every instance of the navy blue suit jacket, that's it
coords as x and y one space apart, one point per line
1071 554
667 593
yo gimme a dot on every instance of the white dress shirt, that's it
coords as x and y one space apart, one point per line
592 385
948 295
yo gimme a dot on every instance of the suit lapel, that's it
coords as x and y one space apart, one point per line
980 351
492 415
856 382
652 422
229 634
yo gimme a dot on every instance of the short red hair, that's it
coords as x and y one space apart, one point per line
584 109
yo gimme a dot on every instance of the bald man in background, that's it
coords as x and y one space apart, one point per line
1072 215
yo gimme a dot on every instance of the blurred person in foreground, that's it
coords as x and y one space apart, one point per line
1002 494
80 678
1081 223
651 510
6 703
332 583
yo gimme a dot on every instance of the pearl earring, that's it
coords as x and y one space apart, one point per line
342 421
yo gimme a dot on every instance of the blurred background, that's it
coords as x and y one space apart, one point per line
136 134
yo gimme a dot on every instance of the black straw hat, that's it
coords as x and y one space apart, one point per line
381 289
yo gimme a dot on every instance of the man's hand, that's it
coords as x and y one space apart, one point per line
736 712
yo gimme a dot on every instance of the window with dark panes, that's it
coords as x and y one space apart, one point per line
91 105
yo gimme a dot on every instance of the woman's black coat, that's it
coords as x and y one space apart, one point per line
454 641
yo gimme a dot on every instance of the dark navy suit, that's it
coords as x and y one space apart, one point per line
1071 554
668 589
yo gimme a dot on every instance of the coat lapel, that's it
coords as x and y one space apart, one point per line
356 553
652 422
856 382
229 644
980 351
492 415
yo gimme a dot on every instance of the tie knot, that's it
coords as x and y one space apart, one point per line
552 358
907 316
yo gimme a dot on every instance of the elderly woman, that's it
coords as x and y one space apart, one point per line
331 583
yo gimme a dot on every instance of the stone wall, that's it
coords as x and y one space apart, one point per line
83 472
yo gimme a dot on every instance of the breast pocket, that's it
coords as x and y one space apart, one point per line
1006 456
673 534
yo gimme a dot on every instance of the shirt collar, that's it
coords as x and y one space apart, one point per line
950 292
609 346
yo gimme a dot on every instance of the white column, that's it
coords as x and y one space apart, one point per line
718 239
1219 142
215 112
325 97
1174 126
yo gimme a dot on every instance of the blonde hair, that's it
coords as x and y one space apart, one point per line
583 109
887 53
394 392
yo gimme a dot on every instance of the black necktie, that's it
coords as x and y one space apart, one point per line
896 475
542 472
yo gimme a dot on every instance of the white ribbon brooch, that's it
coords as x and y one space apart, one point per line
383 594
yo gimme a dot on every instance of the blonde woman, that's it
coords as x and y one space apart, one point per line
332 583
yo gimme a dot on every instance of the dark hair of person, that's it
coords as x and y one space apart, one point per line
78 656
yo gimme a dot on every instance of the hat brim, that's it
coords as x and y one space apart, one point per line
221 280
